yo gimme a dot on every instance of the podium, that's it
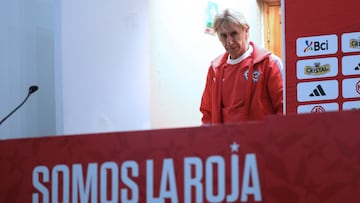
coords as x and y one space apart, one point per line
295 158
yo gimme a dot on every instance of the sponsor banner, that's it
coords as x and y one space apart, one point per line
316 45
350 42
326 47
351 65
306 158
351 88
318 90
317 68
318 108
351 105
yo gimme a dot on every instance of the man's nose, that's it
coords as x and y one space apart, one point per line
229 40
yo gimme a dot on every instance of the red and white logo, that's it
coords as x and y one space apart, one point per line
317 109
358 87
255 76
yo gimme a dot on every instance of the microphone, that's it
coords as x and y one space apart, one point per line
32 89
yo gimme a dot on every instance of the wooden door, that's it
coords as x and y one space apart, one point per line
272 26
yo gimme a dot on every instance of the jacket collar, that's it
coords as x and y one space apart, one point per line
259 54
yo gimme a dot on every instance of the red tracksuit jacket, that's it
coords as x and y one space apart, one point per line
246 91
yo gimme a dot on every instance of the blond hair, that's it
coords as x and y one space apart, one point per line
230 16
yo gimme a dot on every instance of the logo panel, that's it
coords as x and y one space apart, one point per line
318 108
350 42
351 88
351 105
317 68
317 45
319 90
351 65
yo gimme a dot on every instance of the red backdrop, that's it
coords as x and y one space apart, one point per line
308 158
313 60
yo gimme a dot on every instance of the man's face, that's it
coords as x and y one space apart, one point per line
234 38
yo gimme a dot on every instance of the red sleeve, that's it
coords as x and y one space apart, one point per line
205 106
275 84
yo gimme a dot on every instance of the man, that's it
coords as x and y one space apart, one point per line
244 83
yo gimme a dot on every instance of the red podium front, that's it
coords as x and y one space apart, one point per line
306 158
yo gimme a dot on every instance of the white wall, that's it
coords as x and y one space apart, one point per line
104 56
101 66
180 56
118 48
27 58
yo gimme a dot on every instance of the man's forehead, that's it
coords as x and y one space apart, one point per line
229 28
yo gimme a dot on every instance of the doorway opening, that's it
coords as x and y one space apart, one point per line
272 26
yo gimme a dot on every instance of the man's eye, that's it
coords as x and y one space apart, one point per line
234 34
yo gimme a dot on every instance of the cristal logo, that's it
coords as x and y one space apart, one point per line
355 43
317 69
316 46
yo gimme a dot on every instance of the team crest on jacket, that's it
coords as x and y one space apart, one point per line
255 76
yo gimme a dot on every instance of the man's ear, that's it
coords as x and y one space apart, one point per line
247 30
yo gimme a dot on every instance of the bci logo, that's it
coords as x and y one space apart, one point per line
316 45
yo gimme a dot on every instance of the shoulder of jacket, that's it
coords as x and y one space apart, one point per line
259 53
219 60
275 59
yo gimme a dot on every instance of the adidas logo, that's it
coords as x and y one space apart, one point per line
357 67
318 91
